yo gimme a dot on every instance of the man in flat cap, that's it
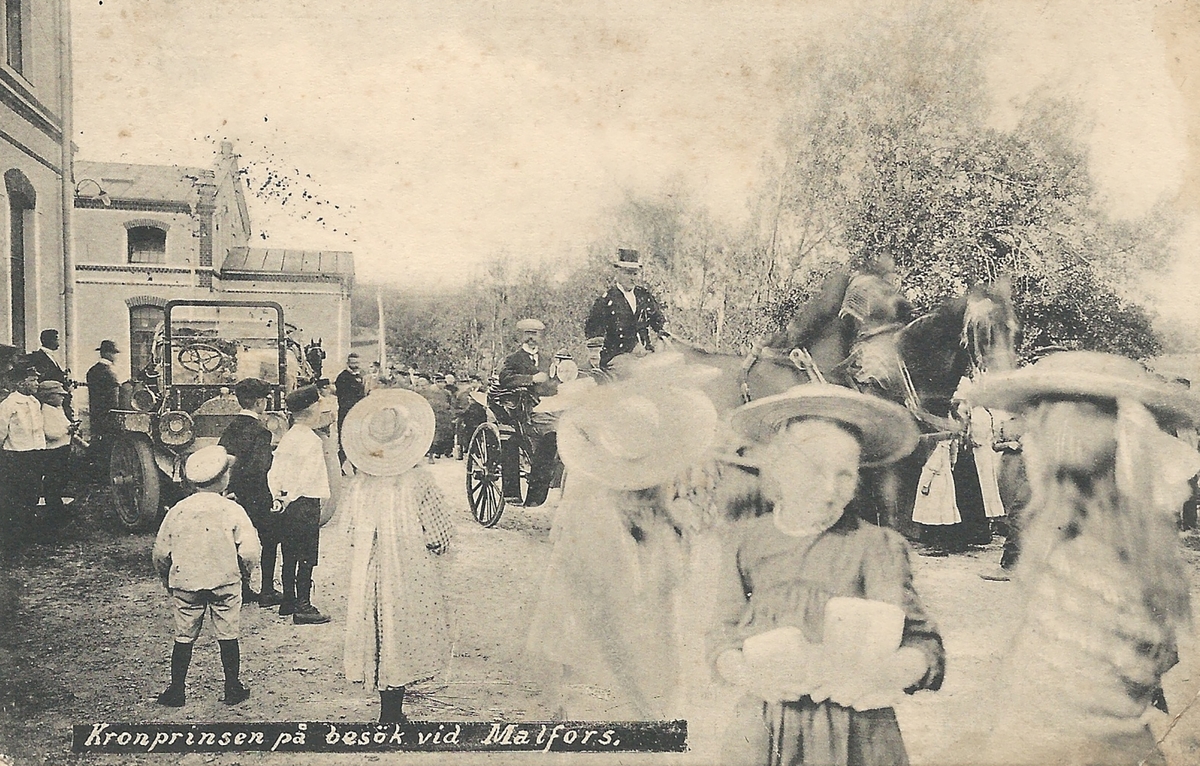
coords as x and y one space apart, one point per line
528 369
625 315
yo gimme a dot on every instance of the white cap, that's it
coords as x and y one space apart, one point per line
206 464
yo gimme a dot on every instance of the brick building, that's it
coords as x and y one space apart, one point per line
147 234
35 158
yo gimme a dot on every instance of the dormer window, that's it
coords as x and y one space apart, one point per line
147 244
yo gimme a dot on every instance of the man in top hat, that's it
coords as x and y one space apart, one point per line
248 441
299 481
103 388
350 388
22 444
529 369
626 314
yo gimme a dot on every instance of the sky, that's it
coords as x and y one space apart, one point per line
449 132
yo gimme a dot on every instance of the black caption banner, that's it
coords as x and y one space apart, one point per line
425 736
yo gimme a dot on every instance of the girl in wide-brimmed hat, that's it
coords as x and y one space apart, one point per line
397 629
818 622
1105 583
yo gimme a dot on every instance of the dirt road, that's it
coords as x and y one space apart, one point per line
85 634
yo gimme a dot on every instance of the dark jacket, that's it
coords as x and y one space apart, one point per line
248 440
612 319
47 368
103 387
350 390
519 369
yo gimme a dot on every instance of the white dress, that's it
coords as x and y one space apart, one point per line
397 629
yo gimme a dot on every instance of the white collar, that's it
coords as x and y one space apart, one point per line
106 361
622 289
531 351
251 413
47 352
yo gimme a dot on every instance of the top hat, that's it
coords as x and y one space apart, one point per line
627 259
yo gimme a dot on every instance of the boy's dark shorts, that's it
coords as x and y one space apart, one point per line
300 530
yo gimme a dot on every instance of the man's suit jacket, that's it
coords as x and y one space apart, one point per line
249 441
47 368
518 371
612 319
103 387
350 389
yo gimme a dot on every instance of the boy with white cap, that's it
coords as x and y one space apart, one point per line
203 547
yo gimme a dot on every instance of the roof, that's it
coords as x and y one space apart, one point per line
166 183
337 264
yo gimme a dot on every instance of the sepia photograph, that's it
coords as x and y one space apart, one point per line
808 383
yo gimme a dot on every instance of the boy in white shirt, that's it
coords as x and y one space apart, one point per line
299 482
22 444
204 545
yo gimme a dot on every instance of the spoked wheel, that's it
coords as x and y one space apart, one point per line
484 493
134 479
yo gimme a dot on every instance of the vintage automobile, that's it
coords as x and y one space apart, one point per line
183 399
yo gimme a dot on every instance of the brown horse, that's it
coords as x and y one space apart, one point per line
929 357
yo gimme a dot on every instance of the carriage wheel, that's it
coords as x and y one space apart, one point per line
134 478
484 493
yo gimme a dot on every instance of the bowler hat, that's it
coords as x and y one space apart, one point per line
108 346
302 398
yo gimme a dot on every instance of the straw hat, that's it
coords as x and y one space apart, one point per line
1086 374
886 431
634 437
388 432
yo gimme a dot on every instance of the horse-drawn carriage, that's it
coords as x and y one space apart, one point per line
184 399
507 428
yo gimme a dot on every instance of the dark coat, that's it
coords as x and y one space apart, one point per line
519 369
248 440
612 319
47 368
103 388
350 390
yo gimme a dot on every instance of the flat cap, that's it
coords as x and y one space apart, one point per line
302 398
530 325
206 464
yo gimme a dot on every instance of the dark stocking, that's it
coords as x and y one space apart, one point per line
181 658
304 582
231 659
289 577
391 706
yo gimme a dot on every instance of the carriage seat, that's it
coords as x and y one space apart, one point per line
510 406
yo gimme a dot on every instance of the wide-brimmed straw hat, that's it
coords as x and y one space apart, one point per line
1088 374
388 432
886 431
634 436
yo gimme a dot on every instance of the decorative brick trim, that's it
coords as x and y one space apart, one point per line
142 205
132 267
134 223
146 300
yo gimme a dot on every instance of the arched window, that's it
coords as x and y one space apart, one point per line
147 244
21 202
144 319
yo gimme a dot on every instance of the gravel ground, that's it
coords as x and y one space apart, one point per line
85 634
